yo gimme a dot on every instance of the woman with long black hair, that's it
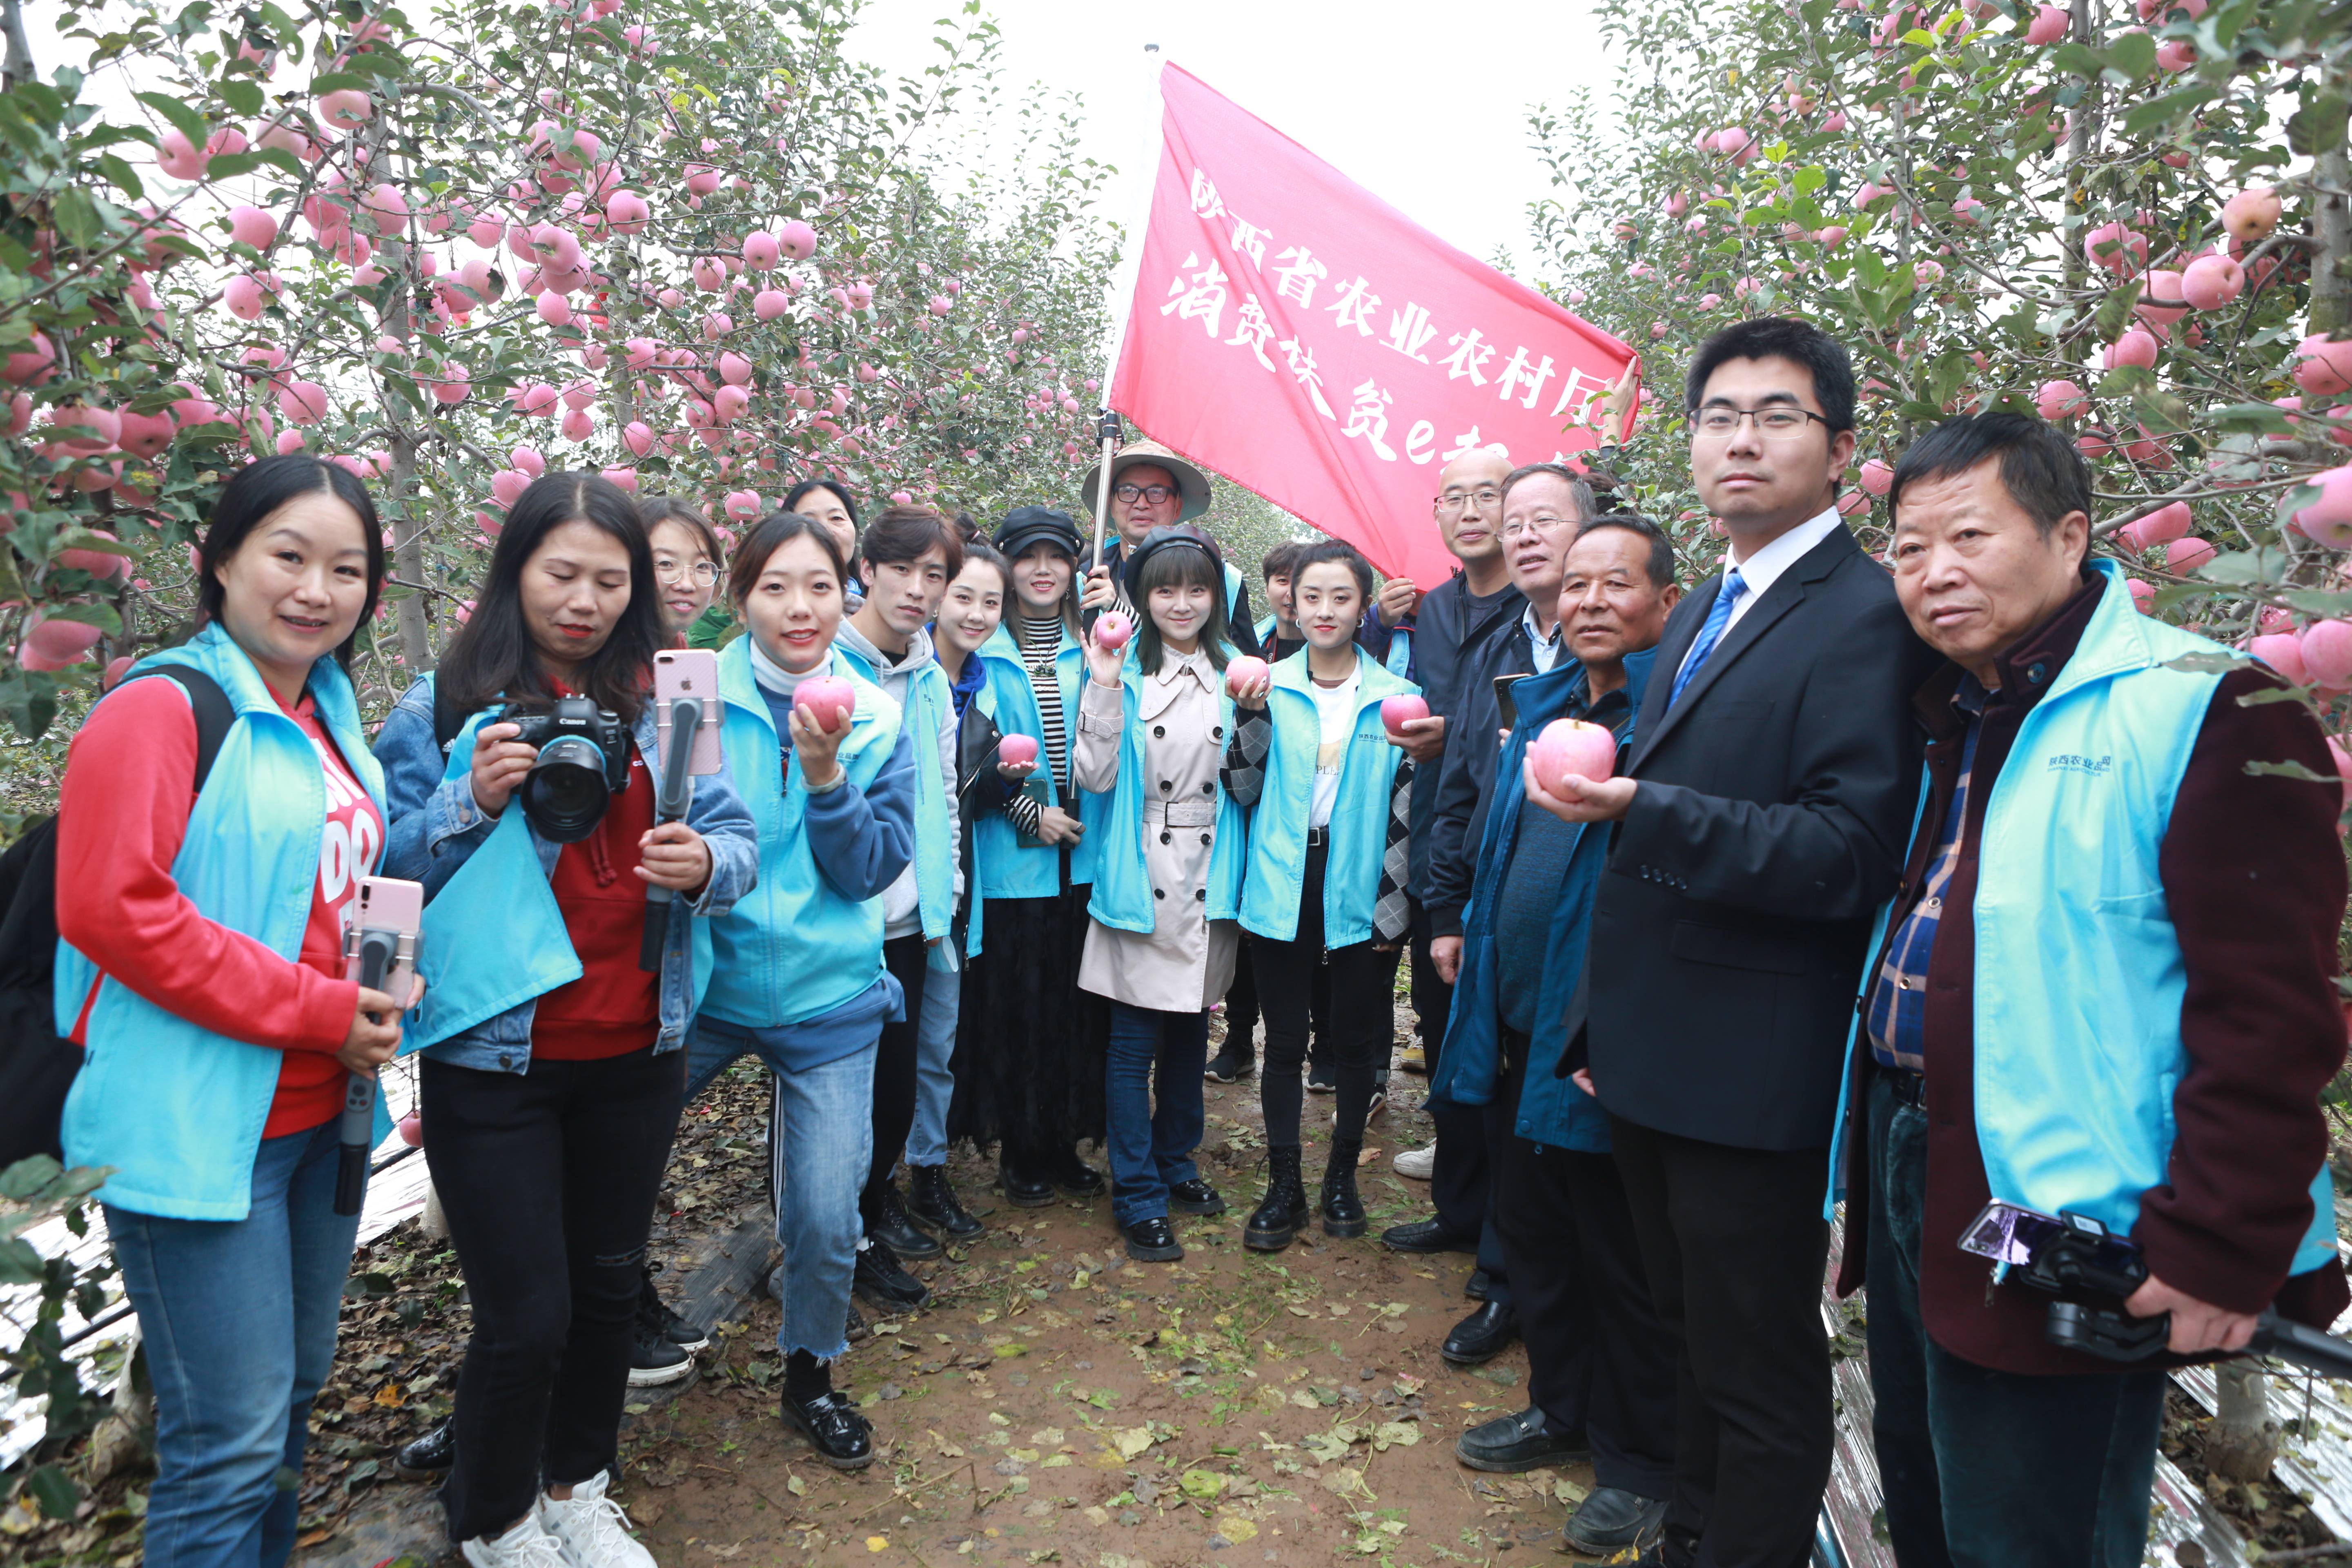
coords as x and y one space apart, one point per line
201 968
553 1077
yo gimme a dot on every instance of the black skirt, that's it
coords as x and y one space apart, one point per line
1029 1044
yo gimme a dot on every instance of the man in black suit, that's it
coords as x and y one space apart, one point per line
1761 820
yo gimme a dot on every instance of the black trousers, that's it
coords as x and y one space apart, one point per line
1353 1028
1457 1185
1734 1247
894 1071
548 1179
1242 1008
1599 1360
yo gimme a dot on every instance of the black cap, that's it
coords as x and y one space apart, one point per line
1176 535
1025 525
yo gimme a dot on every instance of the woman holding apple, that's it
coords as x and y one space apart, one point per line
1151 732
829 771
1329 802
201 968
1029 1054
552 1079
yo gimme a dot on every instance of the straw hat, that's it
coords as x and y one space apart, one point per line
1191 484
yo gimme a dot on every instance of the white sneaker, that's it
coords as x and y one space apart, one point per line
591 1528
526 1545
1416 1162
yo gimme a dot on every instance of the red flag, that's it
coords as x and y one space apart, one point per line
1297 333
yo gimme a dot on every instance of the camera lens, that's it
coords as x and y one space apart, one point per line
565 794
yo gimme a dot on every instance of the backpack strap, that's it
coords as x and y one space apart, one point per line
215 713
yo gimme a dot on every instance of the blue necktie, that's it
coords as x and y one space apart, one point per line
1718 616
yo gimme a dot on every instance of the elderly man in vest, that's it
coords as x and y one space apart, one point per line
2105 988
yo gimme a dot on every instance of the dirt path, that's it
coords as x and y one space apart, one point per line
1058 1403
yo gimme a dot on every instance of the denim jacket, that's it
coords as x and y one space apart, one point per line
493 941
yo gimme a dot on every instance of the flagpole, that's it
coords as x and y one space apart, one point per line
1130 266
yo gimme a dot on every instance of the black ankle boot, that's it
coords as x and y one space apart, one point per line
932 1199
1343 1211
1283 1208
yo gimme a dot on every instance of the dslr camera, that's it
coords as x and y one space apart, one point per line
584 763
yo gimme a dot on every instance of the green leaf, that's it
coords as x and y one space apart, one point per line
55 1490
1810 178
27 1176
125 179
2162 412
2318 127
2115 309
2132 56
2077 60
28 700
338 82
185 121
100 615
2289 769
378 63
242 94
2262 418
2163 110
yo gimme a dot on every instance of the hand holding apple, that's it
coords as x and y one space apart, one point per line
816 747
1247 681
1576 798
1016 757
829 701
1569 746
1396 712
1106 646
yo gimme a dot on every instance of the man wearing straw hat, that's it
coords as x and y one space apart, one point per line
1152 486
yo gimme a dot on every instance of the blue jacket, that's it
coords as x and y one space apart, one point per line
1123 886
809 937
1011 864
492 941
2079 975
175 1109
1552 1109
1360 819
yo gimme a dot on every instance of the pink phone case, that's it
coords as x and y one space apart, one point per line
388 903
688 672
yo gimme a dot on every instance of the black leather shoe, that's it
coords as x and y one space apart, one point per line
1232 1065
894 1224
1022 1191
1152 1240
1283 1210
1482 1336
1475 1286
1195 1196
1509 1444
1343 1210
1611 1520
882 1279
680 1331
841 1436
1075 1176
1427 1236
931 1199
429 1457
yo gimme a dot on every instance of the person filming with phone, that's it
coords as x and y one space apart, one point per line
200 903
2106 989
552 1076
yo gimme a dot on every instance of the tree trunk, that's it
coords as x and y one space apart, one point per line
2243 1440
18 64
413 613
2331 175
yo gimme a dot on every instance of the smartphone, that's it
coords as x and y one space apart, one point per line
385 903
1504 706
691 673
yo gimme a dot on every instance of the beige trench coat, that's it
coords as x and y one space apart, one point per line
1187 962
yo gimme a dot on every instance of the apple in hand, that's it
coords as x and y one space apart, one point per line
1016 751
1242 671
1396 712
1572 746
1112 629
826 694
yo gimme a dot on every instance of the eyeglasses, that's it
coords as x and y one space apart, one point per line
703 573
1777 423
1454 500
1155 494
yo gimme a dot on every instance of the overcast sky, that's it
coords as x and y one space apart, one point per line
1425 105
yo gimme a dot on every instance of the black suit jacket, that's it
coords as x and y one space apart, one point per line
1729 933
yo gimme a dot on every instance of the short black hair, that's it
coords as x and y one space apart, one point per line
1660 566
1333 551
1280 560
839 491
1779 337
906 533
2040 467
1579 485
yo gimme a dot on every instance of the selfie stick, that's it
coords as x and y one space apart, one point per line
671 797
377 949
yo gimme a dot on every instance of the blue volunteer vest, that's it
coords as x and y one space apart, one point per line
793 948
177 1111
1360 819
1122 885
929 702
1009 865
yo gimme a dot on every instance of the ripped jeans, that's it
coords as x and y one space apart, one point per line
548 1179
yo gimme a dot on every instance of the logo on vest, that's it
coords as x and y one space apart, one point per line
2075 762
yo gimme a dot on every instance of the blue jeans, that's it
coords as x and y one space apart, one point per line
1986 1468
238 1317
1152 1150
935 1038
820 1142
